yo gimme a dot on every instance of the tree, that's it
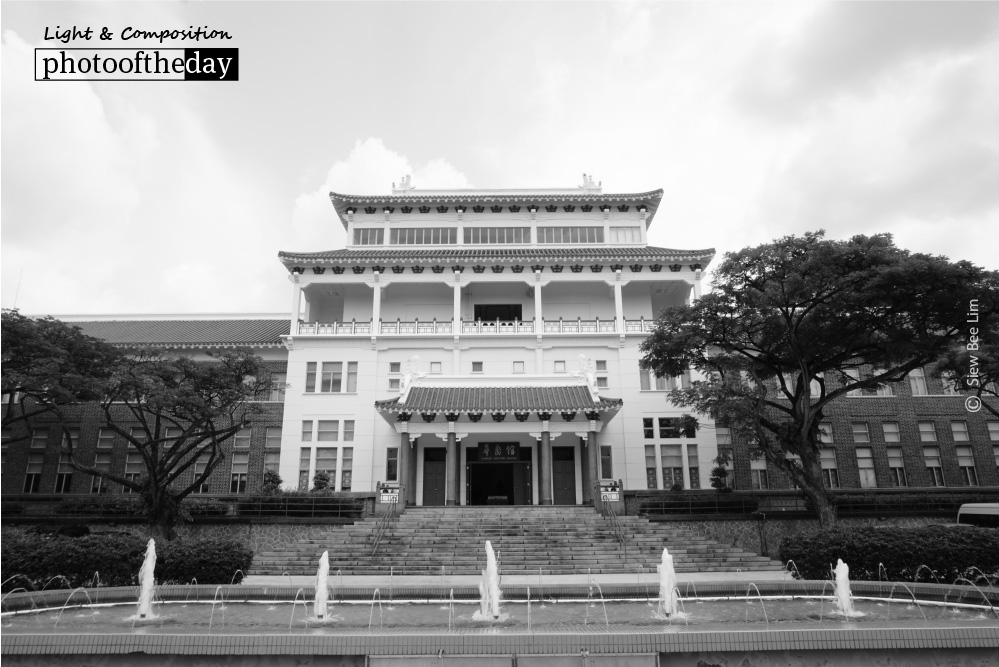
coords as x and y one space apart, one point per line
175 411
973 364
795 324
719 474
47 366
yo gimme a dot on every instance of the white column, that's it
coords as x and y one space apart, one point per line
457 304
538 315
619 306
685 463
376 307
697 285
296 302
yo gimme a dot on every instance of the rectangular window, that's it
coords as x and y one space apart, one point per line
70 436
724 436
830 474
884 390
240 468
348 430
200 466
993 427
917 382
272 461
476 366
995 454
625 234
437 367
758 472
394 384
328 430
304 461
896 467
518 367
374 236
423 236
643 380
865 465
64 474
693 467
602 383
560 367
650 466
825 433
332 377
33 473
272 437
306 430
891 431
102 462
661 384
570 235
606 467
279 382
39 438
392 464
601 365
928 431
351 377
966 461
497 235
854 375
105 438
860 432
672 463
242 438
310 376
395 367
960 431
648 427
347 468
932 457
134 467
326 462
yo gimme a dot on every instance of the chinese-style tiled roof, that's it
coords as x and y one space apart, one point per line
650 199
188 332
425 255
498 399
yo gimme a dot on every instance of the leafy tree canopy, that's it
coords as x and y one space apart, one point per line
794 324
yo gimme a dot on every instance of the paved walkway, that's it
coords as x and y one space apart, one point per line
650 578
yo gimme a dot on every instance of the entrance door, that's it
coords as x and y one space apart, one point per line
564 475
434 476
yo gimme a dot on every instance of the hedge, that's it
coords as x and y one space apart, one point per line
898 554
31 561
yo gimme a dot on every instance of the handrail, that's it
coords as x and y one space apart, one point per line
618 528
383 523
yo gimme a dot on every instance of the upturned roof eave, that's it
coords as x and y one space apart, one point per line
342 201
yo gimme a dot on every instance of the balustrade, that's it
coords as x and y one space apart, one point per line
425 327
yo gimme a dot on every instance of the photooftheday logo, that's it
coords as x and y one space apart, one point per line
137 64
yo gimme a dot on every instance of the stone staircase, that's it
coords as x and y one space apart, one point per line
556 539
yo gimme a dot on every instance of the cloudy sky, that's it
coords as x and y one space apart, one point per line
758 120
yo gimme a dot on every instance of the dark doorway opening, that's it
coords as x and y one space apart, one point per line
499 311
564 475
498 482
434 476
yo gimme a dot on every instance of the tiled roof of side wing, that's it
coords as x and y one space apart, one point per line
187 332
513 254
497 399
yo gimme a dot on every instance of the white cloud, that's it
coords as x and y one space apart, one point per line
370 169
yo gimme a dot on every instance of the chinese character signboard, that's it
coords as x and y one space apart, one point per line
499 451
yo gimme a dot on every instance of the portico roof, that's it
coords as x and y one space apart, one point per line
499 399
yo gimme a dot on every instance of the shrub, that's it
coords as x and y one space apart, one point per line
898 553
321 481
116 558
272 483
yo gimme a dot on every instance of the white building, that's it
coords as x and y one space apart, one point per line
482 347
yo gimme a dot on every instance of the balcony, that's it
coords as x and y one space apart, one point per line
472 327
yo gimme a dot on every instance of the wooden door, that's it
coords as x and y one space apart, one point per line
563 476
522 483
434 476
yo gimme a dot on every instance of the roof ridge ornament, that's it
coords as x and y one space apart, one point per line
589 186
405 185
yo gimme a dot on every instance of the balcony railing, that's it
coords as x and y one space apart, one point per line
489 327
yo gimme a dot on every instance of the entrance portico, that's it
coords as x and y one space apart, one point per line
498 440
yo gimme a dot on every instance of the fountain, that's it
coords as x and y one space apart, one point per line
667 588
322 592
147 581
844 598
489 589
